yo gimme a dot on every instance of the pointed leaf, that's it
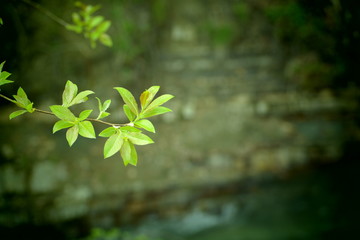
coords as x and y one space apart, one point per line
17 113
107 132
113 145
159 101
145 124
2 65
63 113
133 155
106 40
128 98
81 97
3 82
130 115
106 105
155 111
4 75
84 114
100 106
129 129
138 138
86 129
69 93
152 92
61 124
103 115
72 134
125 152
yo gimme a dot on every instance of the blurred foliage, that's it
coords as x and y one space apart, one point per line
323 30
114 234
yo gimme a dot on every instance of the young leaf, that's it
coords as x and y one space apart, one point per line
138 138
72 134
113 144
155 111
61 124
84 114
69 93
81 97
103 115
106 105
17 113
133 156
1 21
130 115
86 129
107 132
106 40
2 65
151 92
128 99
129 129
63 113
145 124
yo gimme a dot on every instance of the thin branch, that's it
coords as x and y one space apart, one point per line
46 12
9 99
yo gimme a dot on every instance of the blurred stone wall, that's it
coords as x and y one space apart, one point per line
235 114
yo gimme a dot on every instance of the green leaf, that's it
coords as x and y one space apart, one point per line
107 132
3 82
130 115
138 138
61 124
145 124
129 129
128 99
63 113
159 101
69 93
76 19
113 145
106 105
133 156
17 113
155 111
84 114
86 129
151 92
72 134
81 97
94 21
100 106
106 40
74 28
30 108
2 65
103 27
103 115
4 75
125 152
1 22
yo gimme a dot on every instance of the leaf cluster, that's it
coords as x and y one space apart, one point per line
121 138
92 27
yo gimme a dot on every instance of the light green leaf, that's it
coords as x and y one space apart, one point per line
106 105
100 106
113 145
103 115
107 132
3 82
128 99
1 22
133 156
138 138
74 28
4 75
125 152
63 113
159 101
94 21
155 111
76 19
103 27
106 40
81 97
130 115
61 124
69 93
129 129
150 96
2 65
145 124
84 114
72 134
17 113
30 108
86 129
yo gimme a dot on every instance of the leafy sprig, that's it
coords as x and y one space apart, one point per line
121 138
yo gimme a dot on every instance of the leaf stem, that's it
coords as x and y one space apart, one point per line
46 12
9 99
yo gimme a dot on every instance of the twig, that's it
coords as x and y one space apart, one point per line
46 12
